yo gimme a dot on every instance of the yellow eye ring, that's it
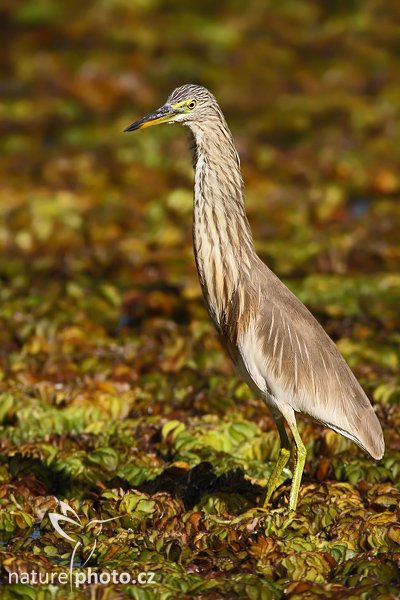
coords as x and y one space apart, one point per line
191 105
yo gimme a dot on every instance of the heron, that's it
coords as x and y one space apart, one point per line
275 343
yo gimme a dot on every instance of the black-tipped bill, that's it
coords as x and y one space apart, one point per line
165 114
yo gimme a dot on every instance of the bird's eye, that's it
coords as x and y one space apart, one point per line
191 104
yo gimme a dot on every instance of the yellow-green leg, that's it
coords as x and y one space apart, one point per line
284 455
299 458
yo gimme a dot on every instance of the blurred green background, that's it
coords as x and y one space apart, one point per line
110 372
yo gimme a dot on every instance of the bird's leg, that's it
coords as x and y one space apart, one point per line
299 458
284 455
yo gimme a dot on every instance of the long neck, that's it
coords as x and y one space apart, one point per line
221 233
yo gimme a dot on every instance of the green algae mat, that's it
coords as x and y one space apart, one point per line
132 458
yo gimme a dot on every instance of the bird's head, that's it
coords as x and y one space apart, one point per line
188 104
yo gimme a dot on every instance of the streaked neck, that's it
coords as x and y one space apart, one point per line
222 238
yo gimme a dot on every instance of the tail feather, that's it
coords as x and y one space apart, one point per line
367 433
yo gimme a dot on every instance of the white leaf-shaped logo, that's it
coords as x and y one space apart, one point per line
66 508
56 519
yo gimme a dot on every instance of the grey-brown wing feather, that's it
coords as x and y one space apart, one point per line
303 367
